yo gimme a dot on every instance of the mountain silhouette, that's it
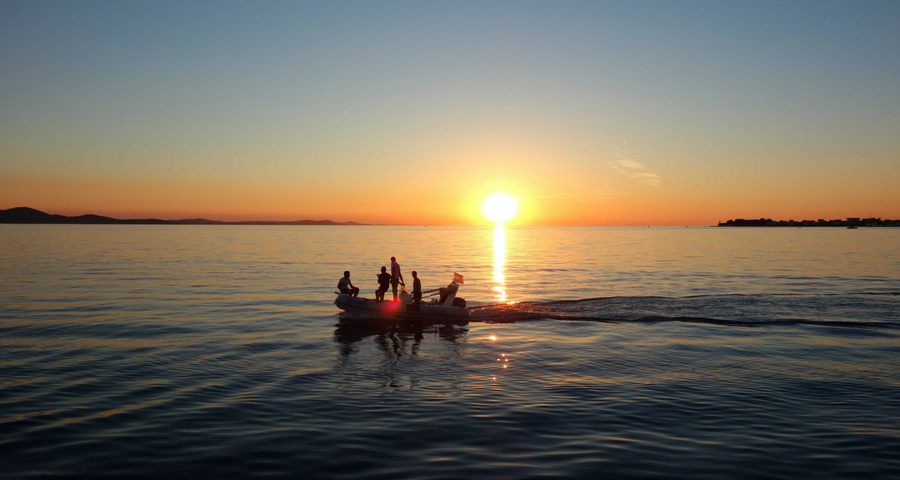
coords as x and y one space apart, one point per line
30 215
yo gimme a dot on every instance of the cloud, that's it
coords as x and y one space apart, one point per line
629 163
634 169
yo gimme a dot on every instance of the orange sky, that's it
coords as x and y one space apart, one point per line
590 115
442 203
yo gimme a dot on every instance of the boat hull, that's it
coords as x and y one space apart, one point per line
397 309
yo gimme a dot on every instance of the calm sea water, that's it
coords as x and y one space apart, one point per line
216 351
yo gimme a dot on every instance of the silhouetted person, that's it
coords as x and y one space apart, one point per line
384 282
346 286
417 288
396 276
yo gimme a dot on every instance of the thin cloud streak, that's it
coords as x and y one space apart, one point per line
634 169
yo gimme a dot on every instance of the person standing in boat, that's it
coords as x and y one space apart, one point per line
384 283
346 286
396 276
417 288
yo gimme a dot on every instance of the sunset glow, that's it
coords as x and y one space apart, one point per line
499 261
593 122
272 238
500 208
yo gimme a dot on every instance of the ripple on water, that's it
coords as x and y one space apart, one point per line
192 353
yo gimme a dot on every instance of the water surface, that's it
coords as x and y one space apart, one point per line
178 351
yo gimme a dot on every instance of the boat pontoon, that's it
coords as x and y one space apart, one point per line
447 305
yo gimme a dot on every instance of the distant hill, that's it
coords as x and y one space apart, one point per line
30 215
850 222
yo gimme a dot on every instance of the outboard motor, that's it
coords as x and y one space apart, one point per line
448 295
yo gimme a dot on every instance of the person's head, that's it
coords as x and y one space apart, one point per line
347 274
393 259
415 275
383 269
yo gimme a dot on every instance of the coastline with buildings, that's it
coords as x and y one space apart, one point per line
849 222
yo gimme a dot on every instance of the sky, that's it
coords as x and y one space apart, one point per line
589 113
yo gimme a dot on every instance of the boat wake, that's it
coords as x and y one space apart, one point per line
856 311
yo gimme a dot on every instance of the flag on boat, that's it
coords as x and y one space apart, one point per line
457 278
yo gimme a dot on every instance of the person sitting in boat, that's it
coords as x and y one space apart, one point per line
346 286
384 283
417 288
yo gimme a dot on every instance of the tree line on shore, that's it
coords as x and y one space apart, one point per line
849 222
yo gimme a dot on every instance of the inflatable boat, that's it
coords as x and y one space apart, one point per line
447 306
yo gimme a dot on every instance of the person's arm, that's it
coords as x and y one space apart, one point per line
401 278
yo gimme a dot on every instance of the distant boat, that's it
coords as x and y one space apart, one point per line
851 227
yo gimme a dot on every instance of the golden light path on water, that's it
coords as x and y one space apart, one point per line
499 261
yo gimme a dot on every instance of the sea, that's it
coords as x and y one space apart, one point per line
179 351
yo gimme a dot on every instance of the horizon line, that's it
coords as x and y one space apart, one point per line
323 222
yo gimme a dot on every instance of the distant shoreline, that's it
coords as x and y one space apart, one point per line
851 222
28 215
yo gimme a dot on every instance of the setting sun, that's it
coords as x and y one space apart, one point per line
500 208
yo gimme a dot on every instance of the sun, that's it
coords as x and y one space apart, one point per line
500 208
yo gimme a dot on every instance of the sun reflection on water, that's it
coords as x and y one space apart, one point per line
499 260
